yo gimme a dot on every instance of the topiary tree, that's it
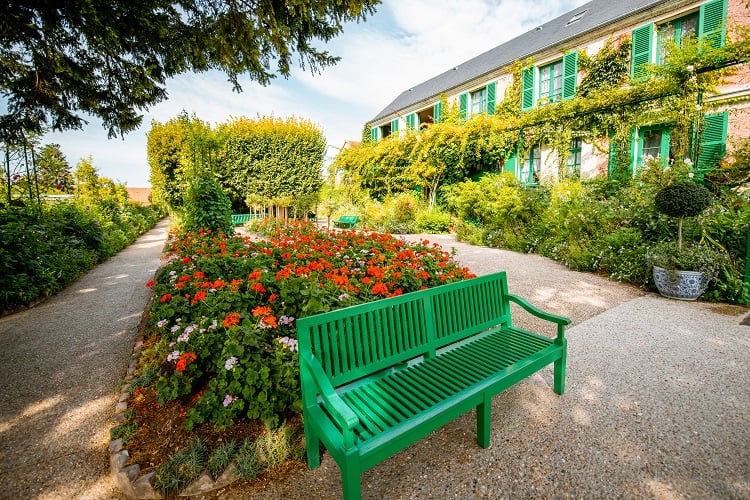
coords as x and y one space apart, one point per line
682 199
207 207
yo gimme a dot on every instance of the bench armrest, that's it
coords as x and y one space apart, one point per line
561 321
342 415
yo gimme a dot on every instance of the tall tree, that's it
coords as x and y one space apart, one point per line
111 58
53 170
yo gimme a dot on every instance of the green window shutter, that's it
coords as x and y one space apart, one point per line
527 89
437 112
374 134
463 106
712 22
411 121
491 97
641 53
713 140
394 126
511 165
570 75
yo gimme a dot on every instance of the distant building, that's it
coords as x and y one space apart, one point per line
139 195
478 85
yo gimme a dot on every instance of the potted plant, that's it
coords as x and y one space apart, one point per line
683 271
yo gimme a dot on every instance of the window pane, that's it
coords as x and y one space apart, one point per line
651 144
558 80
478 101
688 26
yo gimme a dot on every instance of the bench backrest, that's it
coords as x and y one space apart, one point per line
357 341
350 219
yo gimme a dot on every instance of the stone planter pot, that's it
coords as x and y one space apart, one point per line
682 285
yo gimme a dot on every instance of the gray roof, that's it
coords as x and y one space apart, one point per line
599 13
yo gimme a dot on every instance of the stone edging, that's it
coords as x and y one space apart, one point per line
126 477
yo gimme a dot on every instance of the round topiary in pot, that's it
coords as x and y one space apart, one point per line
682 199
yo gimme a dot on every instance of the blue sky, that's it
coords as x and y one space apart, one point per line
405 43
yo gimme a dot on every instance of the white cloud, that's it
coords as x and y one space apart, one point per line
405 43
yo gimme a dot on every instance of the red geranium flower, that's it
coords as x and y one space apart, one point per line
166 298
198 297
379 289
232 319
185 359
261 311
257 287
150 283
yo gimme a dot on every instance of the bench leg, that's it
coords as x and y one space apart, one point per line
351 484
484 420
312 447
560 373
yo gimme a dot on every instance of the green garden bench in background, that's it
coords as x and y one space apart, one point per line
377 377
346 221
239 219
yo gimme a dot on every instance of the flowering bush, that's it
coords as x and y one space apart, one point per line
225 309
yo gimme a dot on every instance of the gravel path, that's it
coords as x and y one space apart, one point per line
61 363
657 403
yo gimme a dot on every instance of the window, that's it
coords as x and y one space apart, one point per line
708 23
654 143
551 82
573 163
531 166
677 31
479 101
385 131
577 17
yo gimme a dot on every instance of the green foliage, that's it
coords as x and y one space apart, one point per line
694 257
53 171
177 151
40 254
248 465
206 207
182 468
221 457
607 69
131 49
275 160
126 432
683 199
623 256
433 221
604 227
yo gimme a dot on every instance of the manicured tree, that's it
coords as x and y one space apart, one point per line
682 199
207 207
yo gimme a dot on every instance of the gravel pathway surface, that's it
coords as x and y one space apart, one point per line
657 403
61 362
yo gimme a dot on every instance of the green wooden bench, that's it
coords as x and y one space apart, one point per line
377 377
239 219
346 221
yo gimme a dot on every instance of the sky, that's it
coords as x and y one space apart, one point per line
406 42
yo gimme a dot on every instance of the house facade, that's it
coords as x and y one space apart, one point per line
477 86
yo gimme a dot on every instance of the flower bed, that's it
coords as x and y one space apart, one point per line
225 309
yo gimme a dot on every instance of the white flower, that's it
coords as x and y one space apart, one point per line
162 323
228 400
174 355
229 364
